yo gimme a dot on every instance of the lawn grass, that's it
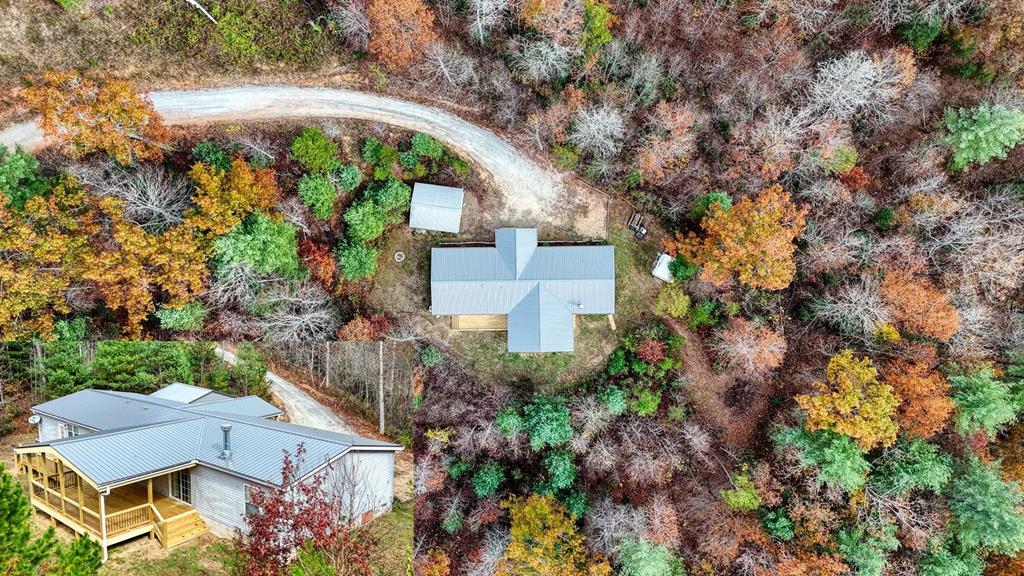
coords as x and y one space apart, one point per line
206 556
394 534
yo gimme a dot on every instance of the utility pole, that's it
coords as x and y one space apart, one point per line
380 383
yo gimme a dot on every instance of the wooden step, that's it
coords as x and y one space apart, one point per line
183 528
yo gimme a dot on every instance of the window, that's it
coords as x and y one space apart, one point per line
250 508
65 430
181 485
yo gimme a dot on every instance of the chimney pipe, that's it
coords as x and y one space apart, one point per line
226 454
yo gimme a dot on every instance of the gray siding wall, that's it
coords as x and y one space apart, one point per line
363 481
219 497
48 428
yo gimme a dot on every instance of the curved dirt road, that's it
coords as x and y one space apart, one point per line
533 193
301 408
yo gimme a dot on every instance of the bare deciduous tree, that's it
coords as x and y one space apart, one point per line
485 15
298 311
599 130
448 66
153 197
542 61
352 23
856 83
856 309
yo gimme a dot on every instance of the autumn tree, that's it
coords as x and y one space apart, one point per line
132 268
755 349
545 541
925 405
918 307
365 328
224 198
84 117
753 239
400 31
853 402
44 249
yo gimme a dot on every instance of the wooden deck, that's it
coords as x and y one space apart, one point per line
480 322
129 511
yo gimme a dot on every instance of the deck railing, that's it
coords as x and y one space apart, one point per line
129 519
90 519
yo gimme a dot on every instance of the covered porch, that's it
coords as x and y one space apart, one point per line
109 515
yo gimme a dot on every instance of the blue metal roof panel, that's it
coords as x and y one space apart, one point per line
540 323
107 410
245 406
436 208
179 392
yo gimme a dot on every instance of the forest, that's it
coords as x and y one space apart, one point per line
833 382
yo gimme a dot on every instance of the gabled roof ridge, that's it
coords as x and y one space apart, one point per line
231 399
116 431
141 397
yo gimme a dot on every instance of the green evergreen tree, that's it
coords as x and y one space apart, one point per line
208 369
837 458
318 192
643 558
547 422
940 560
865 546
83 557
910 465
248 376
982 133
266 244
63 370
315 151
487 479
20 554
358 261
19 177
986 509
983 404
141 367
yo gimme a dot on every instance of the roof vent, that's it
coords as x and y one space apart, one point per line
226 453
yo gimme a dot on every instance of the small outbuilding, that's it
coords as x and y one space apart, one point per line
436 208
661 268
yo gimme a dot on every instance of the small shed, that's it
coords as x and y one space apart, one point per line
661 269
436 208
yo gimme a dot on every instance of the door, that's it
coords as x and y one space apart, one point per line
181 485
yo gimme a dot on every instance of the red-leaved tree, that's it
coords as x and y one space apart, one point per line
300 514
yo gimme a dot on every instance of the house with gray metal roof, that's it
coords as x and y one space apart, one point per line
436 207
117 465
532 291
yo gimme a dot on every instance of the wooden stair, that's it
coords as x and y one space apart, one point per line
182 528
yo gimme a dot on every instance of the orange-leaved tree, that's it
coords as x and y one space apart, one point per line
753 239
919 307
545 541
400 30
224 198
132 267
84 117
853 402
925 405
43 251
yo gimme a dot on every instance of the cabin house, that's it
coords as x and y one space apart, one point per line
174 464
533 292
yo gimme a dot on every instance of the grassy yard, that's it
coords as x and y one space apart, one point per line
206 556
635 291
394 535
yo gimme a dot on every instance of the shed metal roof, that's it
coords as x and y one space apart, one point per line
245 406
186 434
436 207
187 393
495 280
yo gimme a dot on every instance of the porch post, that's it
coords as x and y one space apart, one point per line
103 525
60 480
81 503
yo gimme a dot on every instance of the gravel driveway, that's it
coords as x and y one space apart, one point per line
301 408
534 194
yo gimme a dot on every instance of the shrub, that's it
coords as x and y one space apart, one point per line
702 204
566 157
318 192
840 160
487 479
315 151
267 245
458 468
19 177
982 133
430 356
643 558
705 313
644 401
561 470
424 145
188 317
778 525
453 521
408 160
921 31
885 218
349 177
617 364
614 399
742 497
509 422
682 269
672 301
358 261
547 422
209 152
379 154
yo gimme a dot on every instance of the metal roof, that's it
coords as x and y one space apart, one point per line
436 207
187 393
190 434
107 409
245 406
540 323
495 280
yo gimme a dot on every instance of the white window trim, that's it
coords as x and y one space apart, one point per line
246 502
